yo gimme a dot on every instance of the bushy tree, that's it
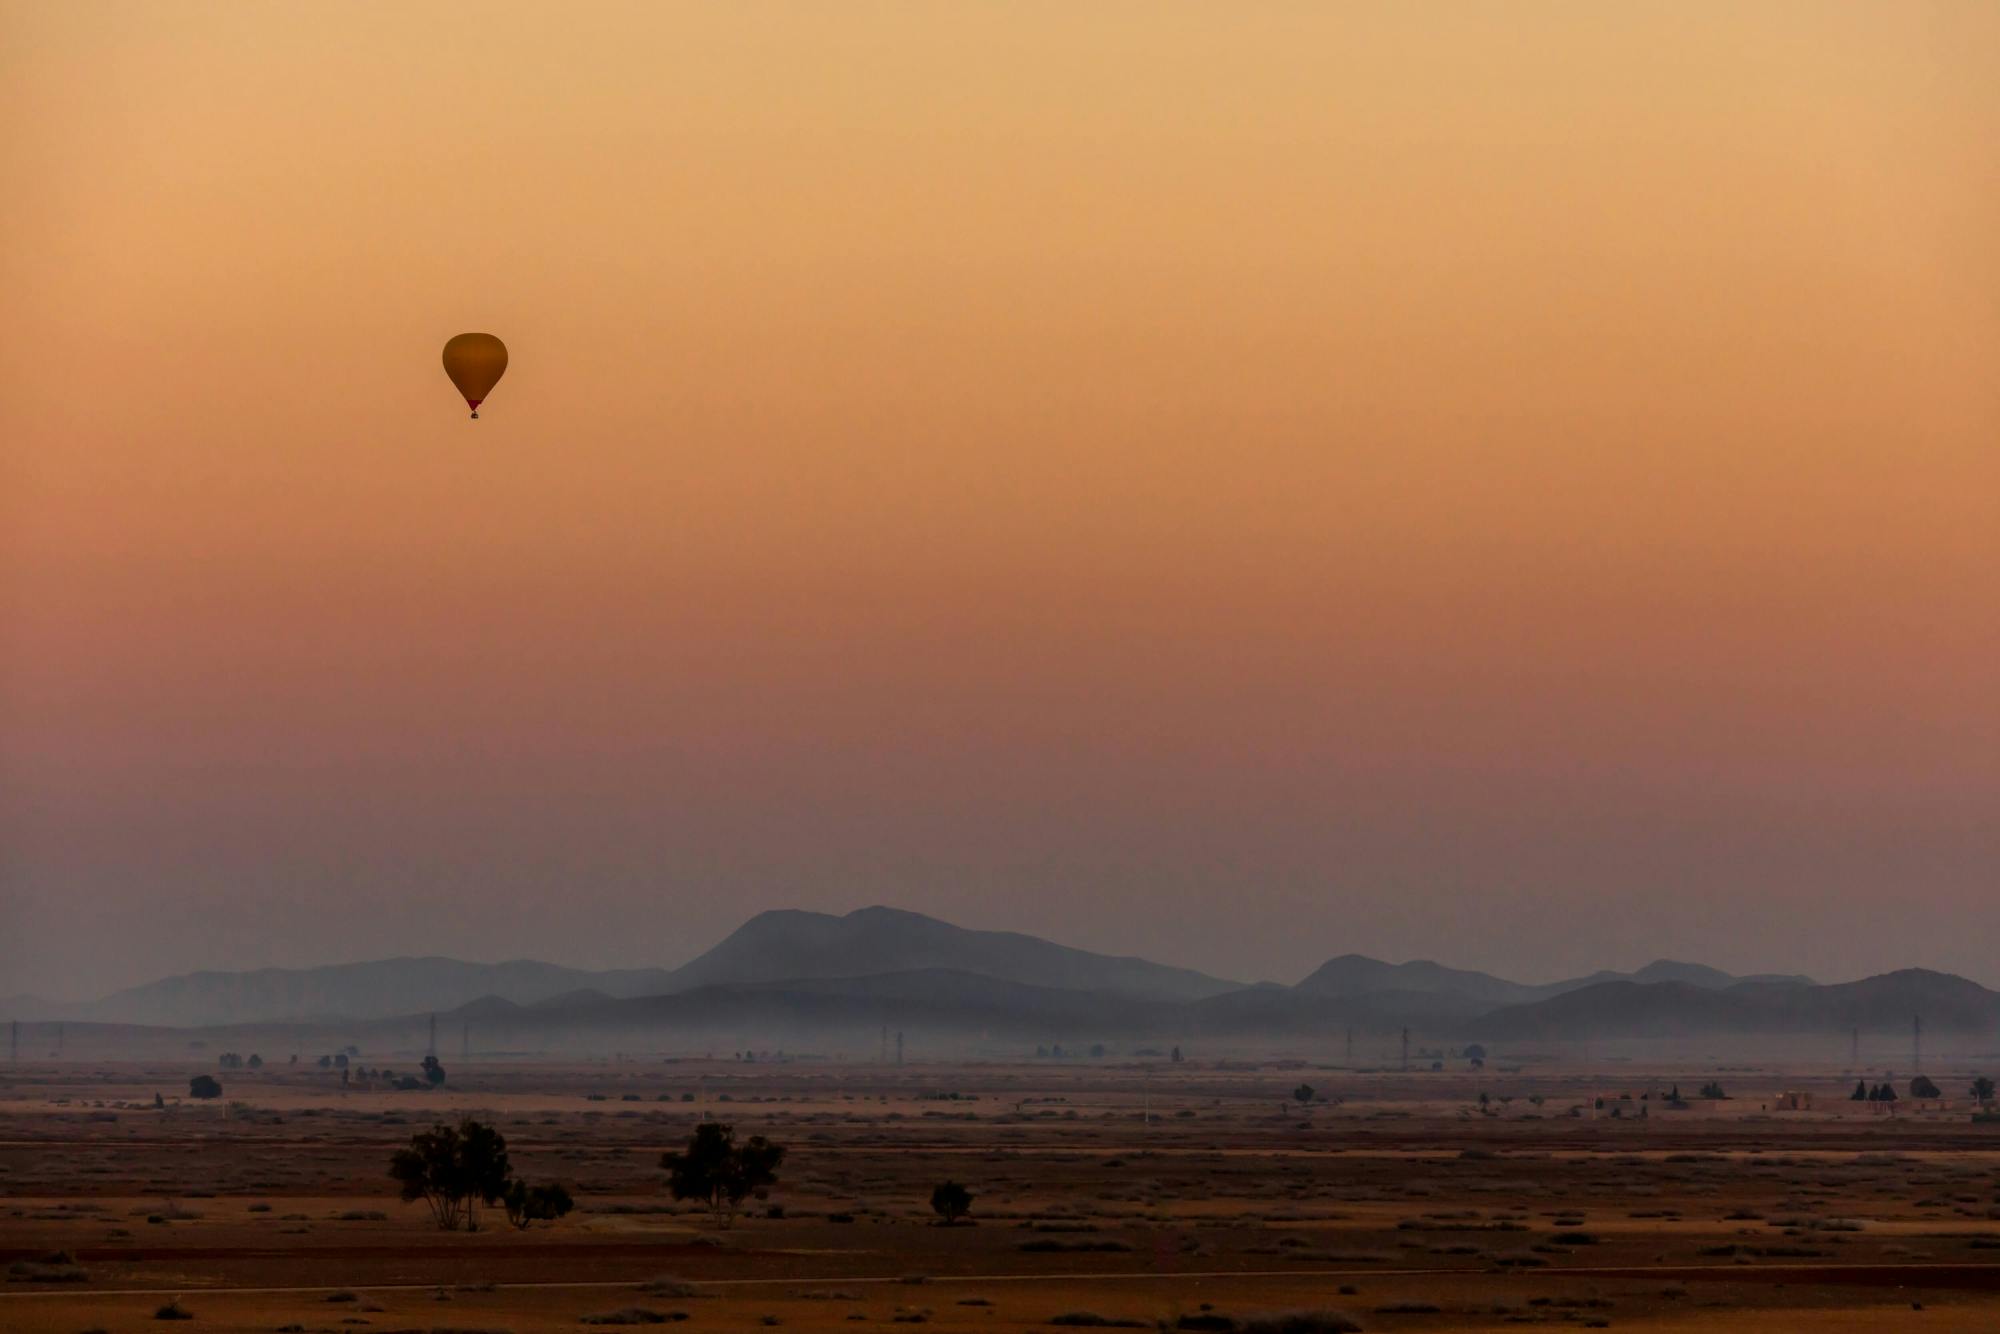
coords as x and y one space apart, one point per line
1860 1093
1303 1094
204 1086
950 1201
531 1204
718 1171
433 1072
1922 1087
1713 1089
1982 1089
453 1169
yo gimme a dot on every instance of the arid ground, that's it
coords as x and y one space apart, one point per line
1187 1196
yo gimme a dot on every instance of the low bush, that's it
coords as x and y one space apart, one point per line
632 1315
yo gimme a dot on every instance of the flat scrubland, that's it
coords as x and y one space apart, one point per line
1184 1197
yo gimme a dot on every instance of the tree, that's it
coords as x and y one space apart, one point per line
1474 1053
1175 1056
1303 1094
720 1172
1860 1093
1922 1087
433 1072
1713 1089
204 1086
950 1201
530 1204
255 1062
1982 1090
230 1060
453 1169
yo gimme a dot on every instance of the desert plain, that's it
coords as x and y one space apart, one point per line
1202 1195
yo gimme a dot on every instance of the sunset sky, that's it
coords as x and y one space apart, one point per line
1515 484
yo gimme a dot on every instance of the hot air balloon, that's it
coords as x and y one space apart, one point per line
475 362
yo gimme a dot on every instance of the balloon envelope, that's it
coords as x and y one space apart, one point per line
475 362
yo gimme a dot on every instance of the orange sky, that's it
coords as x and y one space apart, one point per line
1518 484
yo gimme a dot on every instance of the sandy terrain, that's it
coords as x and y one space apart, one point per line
1186 1195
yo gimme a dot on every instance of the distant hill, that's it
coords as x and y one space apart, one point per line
1948 1003
373 990
790 944
824 978
771 947
1359 975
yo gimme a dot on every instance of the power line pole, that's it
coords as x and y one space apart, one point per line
431 1047
899 1046
1916 1044
465 1040
885 1044
14 1043
1406 1051
1350 1044
1854 1056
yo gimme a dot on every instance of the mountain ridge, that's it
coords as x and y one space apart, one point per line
883 961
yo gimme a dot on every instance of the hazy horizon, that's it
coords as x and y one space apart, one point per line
1513 486
685 955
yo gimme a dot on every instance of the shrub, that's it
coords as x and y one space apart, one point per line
1092 1320
173 1310
632 1315
1299 1322
1059 1245
527 1204
950 1201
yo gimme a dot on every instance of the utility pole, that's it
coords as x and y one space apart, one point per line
14 1043
1350 1044
1406 1051
465 1040
885 1044
59 1038
899 1046
1854 1056
1916 1044
431 1047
